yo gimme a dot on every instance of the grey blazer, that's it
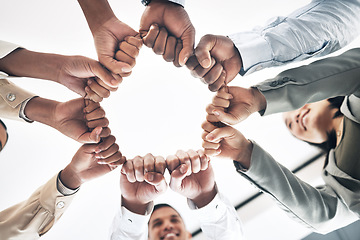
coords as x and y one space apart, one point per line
327 207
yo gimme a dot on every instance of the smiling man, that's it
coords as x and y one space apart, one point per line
191 175
166 223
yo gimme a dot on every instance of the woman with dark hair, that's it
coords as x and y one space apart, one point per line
333 124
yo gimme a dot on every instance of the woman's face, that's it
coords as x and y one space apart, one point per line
312 122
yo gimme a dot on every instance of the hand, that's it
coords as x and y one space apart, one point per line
141 181
86 77
226 142
107 38
217 61
199 185
175 20
92 161
80 119
232 105
163 43
128 51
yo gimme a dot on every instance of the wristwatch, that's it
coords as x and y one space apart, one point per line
145 2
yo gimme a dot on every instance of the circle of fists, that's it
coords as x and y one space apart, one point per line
142 178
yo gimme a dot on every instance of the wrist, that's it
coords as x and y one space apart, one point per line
244 157
96 13
69 178
259 100
205 198
41 110
135 206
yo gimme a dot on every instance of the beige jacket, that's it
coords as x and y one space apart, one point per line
35 216
11 96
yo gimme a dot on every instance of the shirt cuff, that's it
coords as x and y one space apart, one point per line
180 2
63 189
7 48
133 222
210 213
254 50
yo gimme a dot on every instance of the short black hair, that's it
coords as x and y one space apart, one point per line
162 205
330 143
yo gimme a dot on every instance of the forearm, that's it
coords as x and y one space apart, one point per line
96 12
205 197
317 29
291 89
24 63
41 110
135 206
218 219
297 197
69 178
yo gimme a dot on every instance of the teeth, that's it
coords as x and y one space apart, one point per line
169 235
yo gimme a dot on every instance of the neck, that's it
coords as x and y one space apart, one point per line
338 124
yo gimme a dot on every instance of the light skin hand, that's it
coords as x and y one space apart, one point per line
199 185
226 142
232 105
141 181
225 66
176 21
85 164
80 119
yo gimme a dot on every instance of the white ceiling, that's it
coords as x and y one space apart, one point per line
158 109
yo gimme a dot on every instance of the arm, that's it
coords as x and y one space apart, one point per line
192 176
77 73
291 89
108 33
34 217
317 29
141 181
174 26
299 199
79 119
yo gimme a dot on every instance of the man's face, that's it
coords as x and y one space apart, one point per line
3 136
166 224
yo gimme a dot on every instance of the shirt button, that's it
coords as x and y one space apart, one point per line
60 205
11 97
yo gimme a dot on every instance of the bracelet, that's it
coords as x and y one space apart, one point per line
22 110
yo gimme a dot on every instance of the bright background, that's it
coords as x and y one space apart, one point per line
158 109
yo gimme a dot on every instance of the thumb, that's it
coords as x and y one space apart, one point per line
115 66
104 75
224 117
91 137
220 133
188 42
177 176
157 180
202 51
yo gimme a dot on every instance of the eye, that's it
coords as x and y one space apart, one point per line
157 224
290 125
175 220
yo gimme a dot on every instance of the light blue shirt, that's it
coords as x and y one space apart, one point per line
317 29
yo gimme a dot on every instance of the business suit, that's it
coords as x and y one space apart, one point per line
337 203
